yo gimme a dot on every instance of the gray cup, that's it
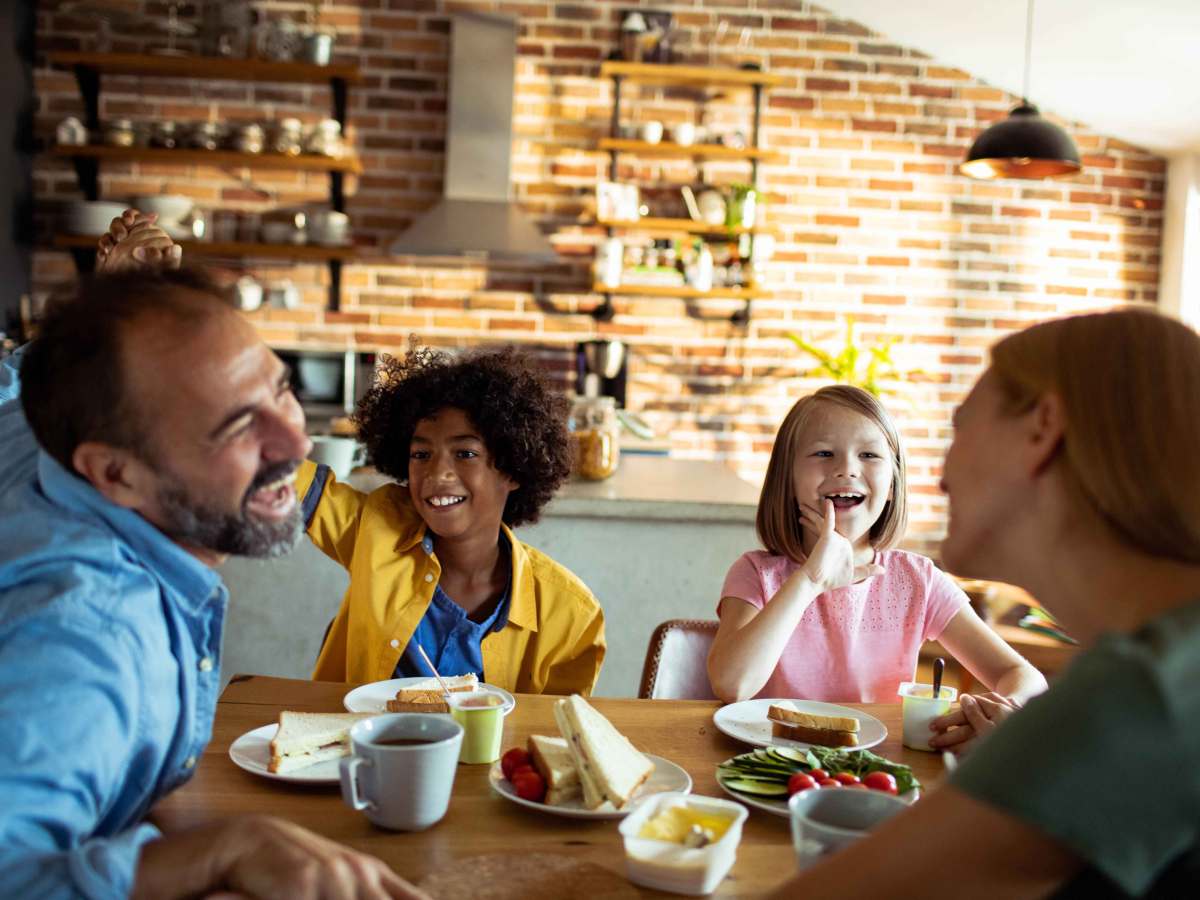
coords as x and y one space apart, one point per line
402 787
826 819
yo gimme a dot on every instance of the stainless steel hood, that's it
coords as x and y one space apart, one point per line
477 214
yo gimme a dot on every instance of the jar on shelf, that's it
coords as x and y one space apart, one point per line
249 138
165 135
288 137
206 135
595 433
120 133
326 138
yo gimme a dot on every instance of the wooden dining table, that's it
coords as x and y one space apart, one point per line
479 822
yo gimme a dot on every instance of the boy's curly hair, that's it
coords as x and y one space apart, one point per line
522 421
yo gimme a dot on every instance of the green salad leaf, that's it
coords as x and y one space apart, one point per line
860 762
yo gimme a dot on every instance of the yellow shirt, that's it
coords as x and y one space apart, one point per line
553 642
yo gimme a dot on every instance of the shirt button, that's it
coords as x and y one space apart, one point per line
395 643
190 762
206 664
428 577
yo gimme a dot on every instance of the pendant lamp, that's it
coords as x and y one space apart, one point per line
1024 145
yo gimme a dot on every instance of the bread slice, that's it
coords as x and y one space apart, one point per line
552 758
610 767
304 739
786 713
425 696
826 737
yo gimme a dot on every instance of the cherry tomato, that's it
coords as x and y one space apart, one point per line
846 778
857 784
517 756
529 786
880 781
521 770
829 782
800 782
818 774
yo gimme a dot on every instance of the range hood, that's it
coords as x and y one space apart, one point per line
477 214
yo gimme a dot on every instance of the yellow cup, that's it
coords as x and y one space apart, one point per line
481 714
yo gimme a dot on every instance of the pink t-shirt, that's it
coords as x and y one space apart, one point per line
854 644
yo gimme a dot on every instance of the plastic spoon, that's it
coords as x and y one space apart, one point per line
424 656
939 666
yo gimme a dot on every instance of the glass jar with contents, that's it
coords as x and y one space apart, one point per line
120 133
326 139
288 137
249 138
595 432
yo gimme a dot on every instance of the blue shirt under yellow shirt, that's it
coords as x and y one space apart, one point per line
552 637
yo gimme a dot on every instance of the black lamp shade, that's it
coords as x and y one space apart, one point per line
1022 146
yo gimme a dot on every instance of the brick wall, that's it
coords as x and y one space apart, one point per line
874 222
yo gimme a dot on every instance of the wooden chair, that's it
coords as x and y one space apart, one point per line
676 666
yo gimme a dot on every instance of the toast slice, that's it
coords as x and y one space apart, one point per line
787 714
304 739
610 767
425 696
826 737
552 758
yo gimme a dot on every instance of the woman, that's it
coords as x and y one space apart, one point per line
1074 473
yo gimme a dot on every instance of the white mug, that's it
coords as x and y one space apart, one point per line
826 820
401 769
342 454
684 134
652 132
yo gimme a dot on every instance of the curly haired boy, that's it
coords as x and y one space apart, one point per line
478 445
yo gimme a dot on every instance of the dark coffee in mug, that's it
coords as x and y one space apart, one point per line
401 742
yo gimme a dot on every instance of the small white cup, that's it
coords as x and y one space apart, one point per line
826 820
401 770
684 134
652 132
342 454
919 709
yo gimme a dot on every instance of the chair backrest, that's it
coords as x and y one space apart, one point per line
676 666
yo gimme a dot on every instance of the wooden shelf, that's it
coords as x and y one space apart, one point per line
222 158
299 252
687 226
662 290
708 151
210 67
701 76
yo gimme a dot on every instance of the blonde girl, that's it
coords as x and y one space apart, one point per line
829 610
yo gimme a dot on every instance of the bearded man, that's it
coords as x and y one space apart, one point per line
146 434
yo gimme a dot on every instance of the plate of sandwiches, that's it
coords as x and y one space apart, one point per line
799 723
591 770
302 747
419 695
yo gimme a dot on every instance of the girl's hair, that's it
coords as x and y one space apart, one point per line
778 521
1129 381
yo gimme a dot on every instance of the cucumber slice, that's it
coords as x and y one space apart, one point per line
791 754
759 788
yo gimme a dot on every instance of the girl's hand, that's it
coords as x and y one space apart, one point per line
977 716
831 563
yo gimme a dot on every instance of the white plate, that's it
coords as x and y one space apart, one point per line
252 752
666 777
747 721
373 697
780 807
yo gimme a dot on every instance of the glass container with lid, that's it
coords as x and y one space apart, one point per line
595 432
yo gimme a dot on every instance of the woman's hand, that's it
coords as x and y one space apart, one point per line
830 564
976 717
133 241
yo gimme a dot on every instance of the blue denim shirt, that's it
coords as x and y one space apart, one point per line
109 643
453 641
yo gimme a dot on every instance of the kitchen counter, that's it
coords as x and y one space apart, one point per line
653 542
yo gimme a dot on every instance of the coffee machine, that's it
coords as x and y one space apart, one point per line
601 369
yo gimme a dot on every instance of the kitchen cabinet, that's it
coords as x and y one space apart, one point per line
704 79
89 68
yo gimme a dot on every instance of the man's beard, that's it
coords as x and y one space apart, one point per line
190 521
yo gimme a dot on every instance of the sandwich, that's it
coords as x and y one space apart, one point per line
425 696
306 738
610 767
552 758
828 731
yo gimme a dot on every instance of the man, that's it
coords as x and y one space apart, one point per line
167 437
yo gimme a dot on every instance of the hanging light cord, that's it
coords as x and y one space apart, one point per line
1028 51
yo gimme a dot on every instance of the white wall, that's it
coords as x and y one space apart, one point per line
1179 278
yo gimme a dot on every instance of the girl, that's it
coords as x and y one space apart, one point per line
478 444
829 611
1074 473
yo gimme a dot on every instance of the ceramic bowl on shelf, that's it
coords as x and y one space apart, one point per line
171 208
91 217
